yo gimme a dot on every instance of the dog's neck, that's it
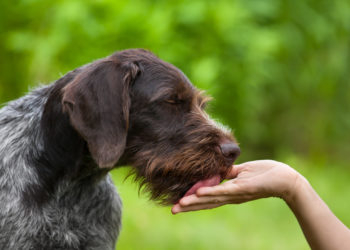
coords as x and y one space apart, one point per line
39 143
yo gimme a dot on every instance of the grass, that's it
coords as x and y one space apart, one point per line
263 224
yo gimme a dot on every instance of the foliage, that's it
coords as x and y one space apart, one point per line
278 69
266 224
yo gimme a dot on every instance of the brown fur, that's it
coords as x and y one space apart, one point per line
133 108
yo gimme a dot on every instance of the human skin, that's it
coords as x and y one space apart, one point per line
267 178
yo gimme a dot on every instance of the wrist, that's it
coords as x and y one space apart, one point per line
299 186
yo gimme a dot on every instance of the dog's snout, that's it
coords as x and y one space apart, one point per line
230 151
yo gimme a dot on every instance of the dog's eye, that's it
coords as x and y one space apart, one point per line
173 101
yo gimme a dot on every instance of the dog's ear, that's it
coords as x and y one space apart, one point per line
98 102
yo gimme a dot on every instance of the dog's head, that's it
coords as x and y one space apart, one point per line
135 107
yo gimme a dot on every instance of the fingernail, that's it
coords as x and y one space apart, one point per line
174 209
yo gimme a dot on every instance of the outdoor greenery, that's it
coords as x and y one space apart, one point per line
266 224
278 71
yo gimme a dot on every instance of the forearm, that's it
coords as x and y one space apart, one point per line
322 229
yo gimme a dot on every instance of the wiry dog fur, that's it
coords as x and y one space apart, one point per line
58 143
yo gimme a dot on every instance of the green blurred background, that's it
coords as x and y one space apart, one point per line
278 71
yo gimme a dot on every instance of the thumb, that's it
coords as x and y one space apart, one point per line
234 171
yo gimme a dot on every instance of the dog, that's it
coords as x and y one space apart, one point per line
59 142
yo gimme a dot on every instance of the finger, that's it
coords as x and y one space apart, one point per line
176 208
255 163
223 189
179 209
235 170
232 173
194 200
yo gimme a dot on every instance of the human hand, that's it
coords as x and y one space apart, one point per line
249 181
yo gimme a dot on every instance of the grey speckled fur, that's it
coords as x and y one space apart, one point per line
78 216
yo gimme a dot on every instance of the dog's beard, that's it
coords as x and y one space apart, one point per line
169 177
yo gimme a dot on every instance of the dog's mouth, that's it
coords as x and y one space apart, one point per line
210 182
168 181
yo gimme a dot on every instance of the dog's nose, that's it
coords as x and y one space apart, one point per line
230 150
